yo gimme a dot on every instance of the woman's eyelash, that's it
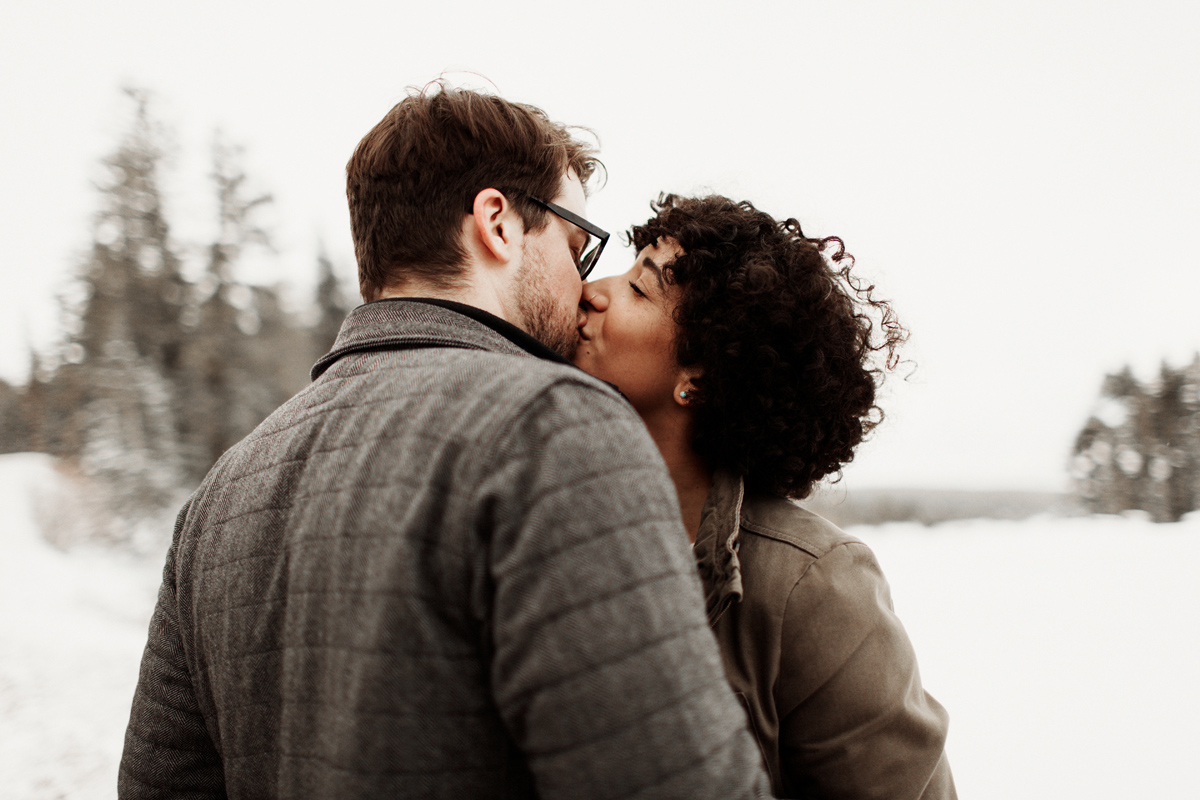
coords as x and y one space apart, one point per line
639 292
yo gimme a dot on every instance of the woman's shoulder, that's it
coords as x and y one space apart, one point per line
824 588
790 556
791 526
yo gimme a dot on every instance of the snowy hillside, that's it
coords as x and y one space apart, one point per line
1066 650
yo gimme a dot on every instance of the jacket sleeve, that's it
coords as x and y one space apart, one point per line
604 669
168 752
855 721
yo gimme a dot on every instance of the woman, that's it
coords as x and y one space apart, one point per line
750 358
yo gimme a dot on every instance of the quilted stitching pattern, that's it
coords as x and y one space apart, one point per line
437 572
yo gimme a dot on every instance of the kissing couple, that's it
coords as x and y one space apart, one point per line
532 535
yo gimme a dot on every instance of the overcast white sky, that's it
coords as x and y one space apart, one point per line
1021 178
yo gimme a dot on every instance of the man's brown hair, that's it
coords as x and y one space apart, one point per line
414 176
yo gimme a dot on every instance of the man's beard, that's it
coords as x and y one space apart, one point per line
542 316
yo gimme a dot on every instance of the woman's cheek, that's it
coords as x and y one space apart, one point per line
585 355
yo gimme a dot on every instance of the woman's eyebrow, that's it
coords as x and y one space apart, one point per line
649 262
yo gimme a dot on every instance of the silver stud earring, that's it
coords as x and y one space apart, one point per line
683 395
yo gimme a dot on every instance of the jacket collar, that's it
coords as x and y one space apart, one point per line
400 323
716 547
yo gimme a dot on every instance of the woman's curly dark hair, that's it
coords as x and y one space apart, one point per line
792 346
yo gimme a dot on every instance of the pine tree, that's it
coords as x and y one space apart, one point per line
1142 449
133 276
332 306
54 406
1190 473
1125 458
108 405
129 440
1169 497
228 384
14 427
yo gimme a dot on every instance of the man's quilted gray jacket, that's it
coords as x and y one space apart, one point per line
447 569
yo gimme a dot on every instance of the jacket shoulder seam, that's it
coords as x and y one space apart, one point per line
811 545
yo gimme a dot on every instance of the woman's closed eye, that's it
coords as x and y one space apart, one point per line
636 290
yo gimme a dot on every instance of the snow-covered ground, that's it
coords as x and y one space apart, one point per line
72 628
1067 650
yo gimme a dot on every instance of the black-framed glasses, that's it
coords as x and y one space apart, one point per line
590 255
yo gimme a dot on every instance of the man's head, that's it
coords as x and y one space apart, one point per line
415 177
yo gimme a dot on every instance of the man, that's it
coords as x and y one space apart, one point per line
453 566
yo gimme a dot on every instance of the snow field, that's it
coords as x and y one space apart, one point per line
72 629
1066 650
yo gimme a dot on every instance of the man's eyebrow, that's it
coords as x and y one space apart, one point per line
649 262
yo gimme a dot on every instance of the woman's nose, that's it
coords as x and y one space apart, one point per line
594 297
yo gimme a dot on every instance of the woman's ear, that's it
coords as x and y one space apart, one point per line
687 392
495 225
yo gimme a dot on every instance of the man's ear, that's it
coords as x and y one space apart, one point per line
496 225
687 386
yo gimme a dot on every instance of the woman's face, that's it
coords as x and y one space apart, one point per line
629 337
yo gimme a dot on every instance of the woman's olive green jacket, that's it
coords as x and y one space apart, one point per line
814 651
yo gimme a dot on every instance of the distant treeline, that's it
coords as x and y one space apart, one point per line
1141 449
847 507
156 374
